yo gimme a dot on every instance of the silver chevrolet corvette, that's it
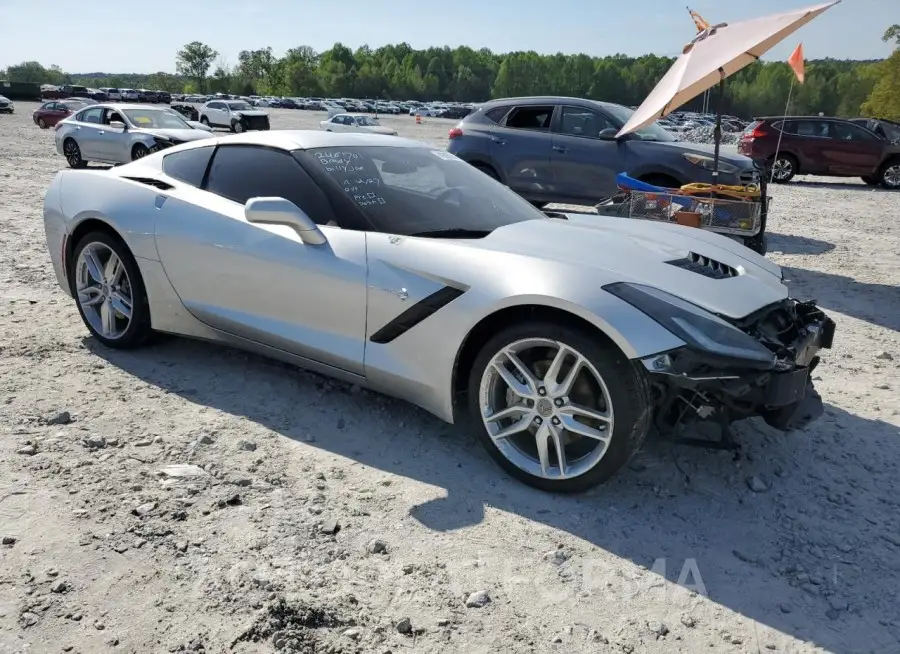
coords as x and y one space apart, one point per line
388 263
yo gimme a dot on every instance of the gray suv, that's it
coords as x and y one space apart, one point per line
553 149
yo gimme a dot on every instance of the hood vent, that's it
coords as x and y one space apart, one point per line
704 266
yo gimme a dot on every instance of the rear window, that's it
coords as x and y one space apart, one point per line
537 118
496 114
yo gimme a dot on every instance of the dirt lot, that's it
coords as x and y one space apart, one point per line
109 545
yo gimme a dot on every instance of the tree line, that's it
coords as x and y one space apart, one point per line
400 72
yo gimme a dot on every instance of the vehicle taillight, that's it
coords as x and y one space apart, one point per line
755 132
455 133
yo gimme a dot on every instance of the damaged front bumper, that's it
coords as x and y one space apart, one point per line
689 385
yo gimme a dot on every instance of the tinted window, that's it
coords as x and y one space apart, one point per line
850 132
817 128
577 121
241 172
530 118
496 114
188 166
91 115
414 190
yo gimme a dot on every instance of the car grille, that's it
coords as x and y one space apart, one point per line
704 266
3 105
257 122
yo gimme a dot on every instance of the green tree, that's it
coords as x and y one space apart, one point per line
194 61
884 100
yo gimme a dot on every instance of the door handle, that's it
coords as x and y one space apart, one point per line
498 141
559 148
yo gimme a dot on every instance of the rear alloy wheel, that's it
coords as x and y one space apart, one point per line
237 126
139 152
890 175
557 408
42 123
73 154
109 291
783 169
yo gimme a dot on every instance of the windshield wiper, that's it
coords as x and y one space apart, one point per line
454 232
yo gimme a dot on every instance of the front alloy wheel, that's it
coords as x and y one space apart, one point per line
237 127
558 409
890 176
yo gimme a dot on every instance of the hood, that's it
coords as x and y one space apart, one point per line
251 112
623 250
379 130
726 155
179 134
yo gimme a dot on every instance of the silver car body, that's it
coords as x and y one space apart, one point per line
222 113
212 275
100 142
348 122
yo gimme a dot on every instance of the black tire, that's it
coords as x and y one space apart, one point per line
139 330
139 151
782 168
237 127
659 179
889 174
73 154
204 120
487 170
871 181
626 383
42 123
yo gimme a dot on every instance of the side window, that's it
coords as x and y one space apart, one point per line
496 114
536 118
92 115
50 106
577 121
850 132
188 166
815 128
241 172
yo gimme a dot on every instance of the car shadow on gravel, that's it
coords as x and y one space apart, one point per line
793 244
795 533
841 186
878 304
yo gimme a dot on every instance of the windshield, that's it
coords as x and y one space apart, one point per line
651 132
365 121
408 191
155 119
239 106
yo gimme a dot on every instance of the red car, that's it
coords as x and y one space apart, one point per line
815 145
50 113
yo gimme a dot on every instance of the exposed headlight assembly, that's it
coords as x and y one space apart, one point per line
698 328
708 163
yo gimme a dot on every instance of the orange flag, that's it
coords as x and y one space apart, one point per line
698 20
795 61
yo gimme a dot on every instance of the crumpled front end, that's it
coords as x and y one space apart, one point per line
693 383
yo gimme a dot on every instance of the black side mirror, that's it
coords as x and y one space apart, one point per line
608 134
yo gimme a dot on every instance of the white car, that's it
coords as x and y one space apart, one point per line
112 94
236 115
355 123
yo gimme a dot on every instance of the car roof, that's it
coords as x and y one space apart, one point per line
546 99
305 139
801 118
120 106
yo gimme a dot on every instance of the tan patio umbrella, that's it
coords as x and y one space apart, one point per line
713 55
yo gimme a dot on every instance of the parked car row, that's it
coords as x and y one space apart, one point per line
104 94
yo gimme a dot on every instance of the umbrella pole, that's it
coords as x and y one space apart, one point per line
717 133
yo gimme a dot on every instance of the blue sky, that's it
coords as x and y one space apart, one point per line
143 37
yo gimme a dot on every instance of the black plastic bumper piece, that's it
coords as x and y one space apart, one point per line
798 415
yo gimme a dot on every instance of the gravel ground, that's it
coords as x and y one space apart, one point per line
190 498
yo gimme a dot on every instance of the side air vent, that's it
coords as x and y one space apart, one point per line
149 181
704 266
